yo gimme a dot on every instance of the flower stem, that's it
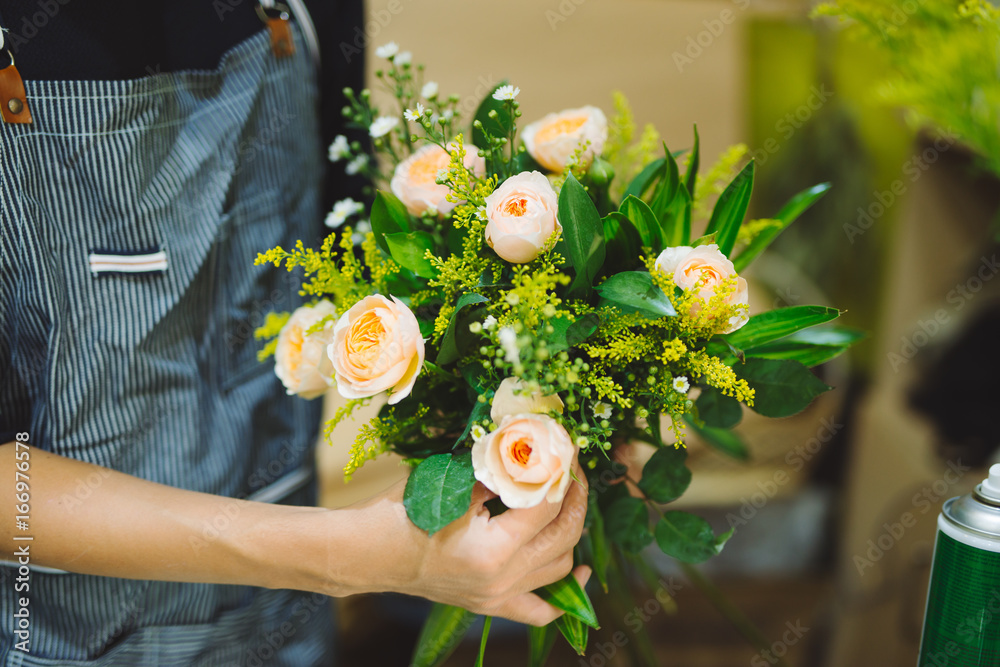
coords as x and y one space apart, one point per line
733 614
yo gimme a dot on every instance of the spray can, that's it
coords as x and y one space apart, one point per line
962 617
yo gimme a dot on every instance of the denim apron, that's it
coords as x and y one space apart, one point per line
130 216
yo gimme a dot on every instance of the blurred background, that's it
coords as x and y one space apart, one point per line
834 508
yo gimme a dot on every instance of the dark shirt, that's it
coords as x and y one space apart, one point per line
130 39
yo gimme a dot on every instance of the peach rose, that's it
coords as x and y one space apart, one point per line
522 217
300 360
414 181
525 461
553 139
377 347
510 399
708 264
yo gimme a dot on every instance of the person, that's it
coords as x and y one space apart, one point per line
157 482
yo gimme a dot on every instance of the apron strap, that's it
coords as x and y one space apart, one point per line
275 16
271 9
13 100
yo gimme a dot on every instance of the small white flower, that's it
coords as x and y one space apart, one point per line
506 93
339 149
681 384
342 210
602 410
581 441
416 114
476 327
403 58
489 322
448 114
508 341
387 50
481 213
356 165
442 176
478 432
429 91
431 210
382 125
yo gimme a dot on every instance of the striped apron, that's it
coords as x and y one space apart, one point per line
130 215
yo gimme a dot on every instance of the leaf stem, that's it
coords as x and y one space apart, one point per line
733 614
482 642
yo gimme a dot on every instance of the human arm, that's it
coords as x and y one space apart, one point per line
132 528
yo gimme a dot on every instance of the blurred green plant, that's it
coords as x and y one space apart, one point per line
944 59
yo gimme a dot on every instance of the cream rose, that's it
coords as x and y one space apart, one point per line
510 399
300 360
414 181
522 217
525 461
708 264
554 138
377 347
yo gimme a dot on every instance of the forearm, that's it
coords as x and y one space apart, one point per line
132 528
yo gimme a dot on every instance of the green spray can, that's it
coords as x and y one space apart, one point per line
962 617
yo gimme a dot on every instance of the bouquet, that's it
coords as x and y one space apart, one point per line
524 296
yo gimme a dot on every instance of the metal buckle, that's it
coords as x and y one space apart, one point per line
277 10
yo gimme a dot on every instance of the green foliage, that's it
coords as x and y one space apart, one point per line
634 291
665 477
442 633
540 643
782 388
688 538
439 490
583 236
567 595
628 524
944 60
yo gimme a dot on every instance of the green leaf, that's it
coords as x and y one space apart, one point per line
688 538
679 217
731 208
672 205
479 412
389 216
775 324
499 127
575 631
540 643
718 410
781 388
570 333
442 633
644 221
599 541
810 347
624 244
439 491
634 291
583 233
690 180
627 522
724 440
646 178
408 249
665 477
449 343
482 642
568 595
795 207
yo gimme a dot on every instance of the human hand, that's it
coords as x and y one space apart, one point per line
488 565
